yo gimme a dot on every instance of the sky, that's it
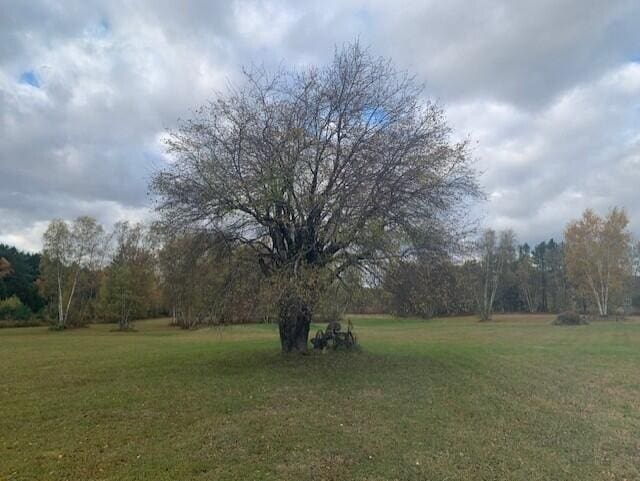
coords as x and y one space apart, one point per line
547 90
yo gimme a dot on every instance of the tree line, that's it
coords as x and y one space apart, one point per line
594 269
86 274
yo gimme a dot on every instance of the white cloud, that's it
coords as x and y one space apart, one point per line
264 23
28 238
545 167
546 89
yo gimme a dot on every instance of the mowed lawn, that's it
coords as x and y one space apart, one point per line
450 399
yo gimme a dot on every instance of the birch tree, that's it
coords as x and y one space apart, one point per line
528 279
67 251
597 255
493 249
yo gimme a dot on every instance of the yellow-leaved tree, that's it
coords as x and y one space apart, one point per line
597 255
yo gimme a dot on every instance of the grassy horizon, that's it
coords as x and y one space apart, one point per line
454 399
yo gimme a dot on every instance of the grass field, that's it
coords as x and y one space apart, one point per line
454 399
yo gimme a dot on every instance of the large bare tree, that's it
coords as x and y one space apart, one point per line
318 170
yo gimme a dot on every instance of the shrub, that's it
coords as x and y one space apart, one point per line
570 318
13 309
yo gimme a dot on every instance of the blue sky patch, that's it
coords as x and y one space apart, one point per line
375 117
98 30
103 27
29 78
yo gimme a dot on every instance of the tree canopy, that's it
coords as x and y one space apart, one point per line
317 170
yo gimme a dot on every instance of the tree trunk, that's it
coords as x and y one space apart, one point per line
294 323
487 303
73 290
598 302
60 301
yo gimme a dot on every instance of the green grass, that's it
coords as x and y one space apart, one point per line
454 399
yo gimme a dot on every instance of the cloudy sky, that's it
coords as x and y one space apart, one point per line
549 90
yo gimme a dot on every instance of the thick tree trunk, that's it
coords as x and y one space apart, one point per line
294 323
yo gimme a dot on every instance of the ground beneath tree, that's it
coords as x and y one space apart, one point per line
514 398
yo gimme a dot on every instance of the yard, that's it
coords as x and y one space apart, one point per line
452 399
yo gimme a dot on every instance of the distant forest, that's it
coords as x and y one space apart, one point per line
86 274
19 274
